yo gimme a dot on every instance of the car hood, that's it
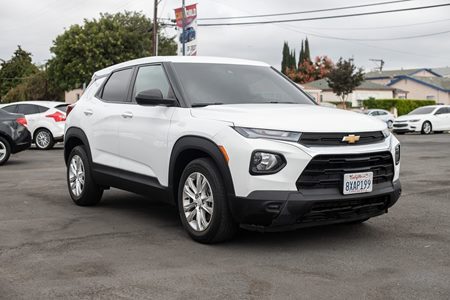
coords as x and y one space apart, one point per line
290 117
410 117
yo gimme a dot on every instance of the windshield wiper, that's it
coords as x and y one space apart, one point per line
205 104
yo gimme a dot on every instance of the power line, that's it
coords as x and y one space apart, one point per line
305 12
382 39
377 27
326 17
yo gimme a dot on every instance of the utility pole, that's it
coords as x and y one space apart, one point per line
155 28
380 68
184 25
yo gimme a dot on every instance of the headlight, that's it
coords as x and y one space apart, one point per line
386 132
256 133
397 154
264 163
412 121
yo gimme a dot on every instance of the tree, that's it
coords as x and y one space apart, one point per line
292 61
307 55
309 71
301 57
285 59
344 78
34 87
15 70
113 38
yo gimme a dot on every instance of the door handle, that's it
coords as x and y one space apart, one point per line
88 112
127 115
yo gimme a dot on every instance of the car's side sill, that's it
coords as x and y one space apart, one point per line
131 182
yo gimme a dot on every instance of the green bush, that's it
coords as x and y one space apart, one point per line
404 106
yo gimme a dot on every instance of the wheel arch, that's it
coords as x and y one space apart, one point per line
429 122
37 130
75 137
189 148
7 138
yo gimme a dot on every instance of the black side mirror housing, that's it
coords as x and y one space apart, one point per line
154 97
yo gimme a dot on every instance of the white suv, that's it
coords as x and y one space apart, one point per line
230 142
46 120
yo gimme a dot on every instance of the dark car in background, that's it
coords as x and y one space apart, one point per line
14 135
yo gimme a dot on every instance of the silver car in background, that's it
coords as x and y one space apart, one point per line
382 115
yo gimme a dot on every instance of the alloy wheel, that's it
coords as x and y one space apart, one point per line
43 139
427 128
2 150
76 175
198 201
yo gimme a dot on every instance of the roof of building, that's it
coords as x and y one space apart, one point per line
445 71
395 73
179 59
322 84
440 83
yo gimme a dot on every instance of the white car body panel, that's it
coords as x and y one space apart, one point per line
291 117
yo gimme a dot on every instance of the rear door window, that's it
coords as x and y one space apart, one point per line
28 109
42 108
116 88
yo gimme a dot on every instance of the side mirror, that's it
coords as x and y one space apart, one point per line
154 97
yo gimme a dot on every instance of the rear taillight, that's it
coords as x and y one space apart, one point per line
69 109
22 121
57 116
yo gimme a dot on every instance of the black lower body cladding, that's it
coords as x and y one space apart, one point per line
284 210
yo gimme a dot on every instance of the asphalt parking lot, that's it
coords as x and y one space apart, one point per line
130 247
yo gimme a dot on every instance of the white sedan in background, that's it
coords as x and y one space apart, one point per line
425 119
382 115
46 120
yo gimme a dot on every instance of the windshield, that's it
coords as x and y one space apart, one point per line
422 111
207 84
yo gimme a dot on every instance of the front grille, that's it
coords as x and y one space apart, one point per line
344 209
327 171
335 139
400 125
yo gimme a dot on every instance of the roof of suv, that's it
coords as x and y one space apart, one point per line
37 102
180 59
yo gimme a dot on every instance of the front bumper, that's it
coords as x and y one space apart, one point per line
406 127
283 210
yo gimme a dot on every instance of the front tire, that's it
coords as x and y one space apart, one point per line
390 124
426 127
44 139
203 204
82 188
5 150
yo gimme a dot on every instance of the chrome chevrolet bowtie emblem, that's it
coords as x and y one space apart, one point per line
351 138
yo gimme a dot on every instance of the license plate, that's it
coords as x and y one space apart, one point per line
356 183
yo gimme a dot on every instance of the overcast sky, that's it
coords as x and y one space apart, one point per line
34 24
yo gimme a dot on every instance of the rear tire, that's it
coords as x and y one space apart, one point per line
5 150
203 204
426 127
82 188
43 139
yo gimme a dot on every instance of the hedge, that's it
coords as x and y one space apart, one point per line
404 106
